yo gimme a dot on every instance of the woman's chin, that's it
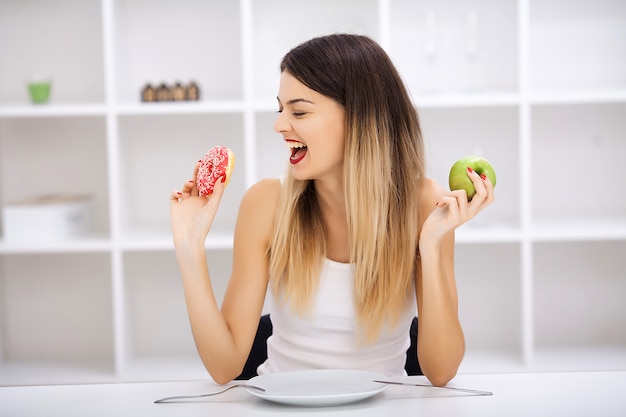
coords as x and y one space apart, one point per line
299 174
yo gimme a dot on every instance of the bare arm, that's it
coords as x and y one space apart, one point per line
441 344
224 338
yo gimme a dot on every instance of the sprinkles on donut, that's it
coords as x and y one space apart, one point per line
217 163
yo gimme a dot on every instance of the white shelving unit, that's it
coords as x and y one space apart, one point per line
536 86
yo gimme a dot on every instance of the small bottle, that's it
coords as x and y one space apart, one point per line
163 93
193 91
148 94
178 92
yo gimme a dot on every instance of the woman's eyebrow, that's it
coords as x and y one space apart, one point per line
297 100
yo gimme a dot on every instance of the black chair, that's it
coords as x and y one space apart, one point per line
258 353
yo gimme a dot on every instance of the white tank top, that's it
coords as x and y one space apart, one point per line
327 338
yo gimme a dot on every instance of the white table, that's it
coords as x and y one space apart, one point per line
601 394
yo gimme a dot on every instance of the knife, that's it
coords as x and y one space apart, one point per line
411 384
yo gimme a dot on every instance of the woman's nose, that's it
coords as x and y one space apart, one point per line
281 124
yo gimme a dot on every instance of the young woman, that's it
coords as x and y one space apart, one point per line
350 245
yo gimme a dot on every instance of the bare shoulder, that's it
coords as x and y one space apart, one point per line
258 209
263 195
430 192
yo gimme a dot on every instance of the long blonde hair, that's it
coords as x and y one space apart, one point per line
383 171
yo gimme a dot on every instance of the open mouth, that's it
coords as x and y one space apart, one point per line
298 151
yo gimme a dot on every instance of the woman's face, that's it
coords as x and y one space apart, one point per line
313 127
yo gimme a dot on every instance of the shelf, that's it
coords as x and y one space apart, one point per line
488 280
155 321
162 241
455 47
183 368
564 229
577 153
617 95
156 326
161 41
76 245
578 296
34 372
200 107
580 359
57 155
52 110
150 175
538 87
51 304
61 40
487 233
483 361
577 45
316 18
492 132
484 99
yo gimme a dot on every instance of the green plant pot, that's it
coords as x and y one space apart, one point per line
39 92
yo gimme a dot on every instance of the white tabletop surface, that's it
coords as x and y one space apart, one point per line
601 394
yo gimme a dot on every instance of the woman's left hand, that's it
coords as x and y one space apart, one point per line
453 209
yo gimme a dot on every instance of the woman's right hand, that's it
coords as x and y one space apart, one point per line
192 214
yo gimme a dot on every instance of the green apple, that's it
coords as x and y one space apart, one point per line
459 180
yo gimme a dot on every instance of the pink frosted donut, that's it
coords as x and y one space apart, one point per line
217 163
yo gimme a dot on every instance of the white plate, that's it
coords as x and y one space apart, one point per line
318 387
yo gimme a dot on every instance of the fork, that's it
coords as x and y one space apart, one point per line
188 397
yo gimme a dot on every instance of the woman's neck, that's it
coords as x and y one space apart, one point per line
332 204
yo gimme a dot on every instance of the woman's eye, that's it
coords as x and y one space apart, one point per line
294 113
